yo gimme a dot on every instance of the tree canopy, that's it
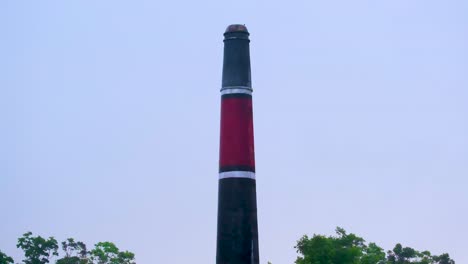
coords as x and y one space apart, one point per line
4 259
347 248
343 248
39 250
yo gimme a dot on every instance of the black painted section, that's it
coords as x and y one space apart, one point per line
237 222
236 95
236 63
236 168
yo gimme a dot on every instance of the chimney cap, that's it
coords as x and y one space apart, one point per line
236 28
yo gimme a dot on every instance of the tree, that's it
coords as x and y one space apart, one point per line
350 249
108 253
407 255
37 250
373 254
4 259
75 253
443 259
402 255
344 248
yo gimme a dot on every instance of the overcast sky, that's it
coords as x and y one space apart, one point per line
110 123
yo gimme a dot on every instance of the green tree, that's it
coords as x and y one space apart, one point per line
108 253
75 253
4 259
347 248
373 254
407 255
344 248
402 255
443 259
37 250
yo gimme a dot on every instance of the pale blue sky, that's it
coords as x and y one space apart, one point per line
110 122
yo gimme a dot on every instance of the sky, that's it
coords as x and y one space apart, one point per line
110 123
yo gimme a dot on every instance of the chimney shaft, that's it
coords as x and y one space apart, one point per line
237 238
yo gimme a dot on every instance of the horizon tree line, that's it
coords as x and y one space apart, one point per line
343 248
40 250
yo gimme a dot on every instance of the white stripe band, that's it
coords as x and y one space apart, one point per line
236 90
237 174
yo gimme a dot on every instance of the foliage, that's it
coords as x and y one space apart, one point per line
4 259
345 248
75 253
351 249
37 250
108 253
404 255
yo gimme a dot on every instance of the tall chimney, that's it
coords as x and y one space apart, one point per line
237 238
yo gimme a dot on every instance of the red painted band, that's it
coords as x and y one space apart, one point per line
237 136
